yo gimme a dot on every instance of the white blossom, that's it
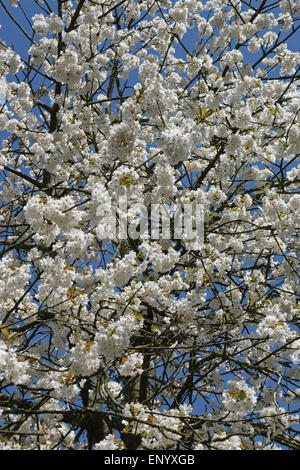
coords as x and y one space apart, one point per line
131 365
109 443
240 398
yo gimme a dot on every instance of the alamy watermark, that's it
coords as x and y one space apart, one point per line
157 222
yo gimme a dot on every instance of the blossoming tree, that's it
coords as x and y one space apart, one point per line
142 343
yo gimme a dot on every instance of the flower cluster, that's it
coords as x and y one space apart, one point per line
240 398
164 428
